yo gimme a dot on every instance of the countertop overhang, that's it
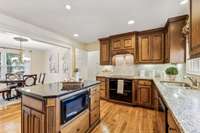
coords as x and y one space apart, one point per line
53 90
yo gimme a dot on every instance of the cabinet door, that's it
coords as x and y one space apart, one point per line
116 43
144 95
172 126
127 42
104 52
195 28
167 56
26 120
37 122
144 49
157 47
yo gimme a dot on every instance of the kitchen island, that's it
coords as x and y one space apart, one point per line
58 108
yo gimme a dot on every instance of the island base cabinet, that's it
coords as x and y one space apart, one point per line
78 125
33 121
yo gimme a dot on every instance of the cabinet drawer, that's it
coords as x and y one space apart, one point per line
144 82
94 115
101 79
95 101
79 125
95 90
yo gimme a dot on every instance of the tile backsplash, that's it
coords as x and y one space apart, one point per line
148 69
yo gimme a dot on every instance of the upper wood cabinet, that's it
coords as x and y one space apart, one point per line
123 44
194 29
104 51
150 47
175 40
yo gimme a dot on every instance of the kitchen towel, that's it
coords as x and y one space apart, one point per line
120 86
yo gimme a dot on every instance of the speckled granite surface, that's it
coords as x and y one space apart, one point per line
184 104
53 90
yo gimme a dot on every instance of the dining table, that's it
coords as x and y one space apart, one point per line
12 84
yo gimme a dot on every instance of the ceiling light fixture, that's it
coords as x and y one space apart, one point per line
68 7
130 22
76 35
183 2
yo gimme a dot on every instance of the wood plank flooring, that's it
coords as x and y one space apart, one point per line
115 118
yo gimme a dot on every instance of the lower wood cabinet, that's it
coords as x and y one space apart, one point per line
144 95
172 126
33 121
94 105
78 125
103 87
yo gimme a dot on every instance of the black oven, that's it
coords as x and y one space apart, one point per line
126 96
72 106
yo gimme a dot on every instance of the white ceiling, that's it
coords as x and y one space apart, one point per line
6 40
93 19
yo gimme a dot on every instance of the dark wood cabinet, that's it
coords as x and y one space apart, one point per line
104 51
150 47
33 121
123 44
144 94
172 126
194 29
175 40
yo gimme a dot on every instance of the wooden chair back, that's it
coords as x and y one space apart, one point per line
30 80
41 78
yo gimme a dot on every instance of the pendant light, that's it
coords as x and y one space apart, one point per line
21 40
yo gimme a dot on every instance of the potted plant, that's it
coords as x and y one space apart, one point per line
172 72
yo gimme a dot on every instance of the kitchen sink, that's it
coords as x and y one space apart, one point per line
176 84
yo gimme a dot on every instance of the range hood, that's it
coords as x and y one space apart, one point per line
123 59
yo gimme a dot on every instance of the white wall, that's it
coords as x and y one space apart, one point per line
60 76
37 61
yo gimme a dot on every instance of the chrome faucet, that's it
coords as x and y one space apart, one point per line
194 81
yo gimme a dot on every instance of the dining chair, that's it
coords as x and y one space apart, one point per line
41 78
30 80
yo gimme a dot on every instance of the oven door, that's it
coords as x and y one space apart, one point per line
74 105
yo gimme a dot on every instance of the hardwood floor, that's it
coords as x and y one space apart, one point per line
115 118
10 120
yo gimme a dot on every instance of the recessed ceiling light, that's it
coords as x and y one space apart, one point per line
76 35
183 2
130 22
68 7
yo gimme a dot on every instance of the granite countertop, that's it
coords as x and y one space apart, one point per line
183 103
53 90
